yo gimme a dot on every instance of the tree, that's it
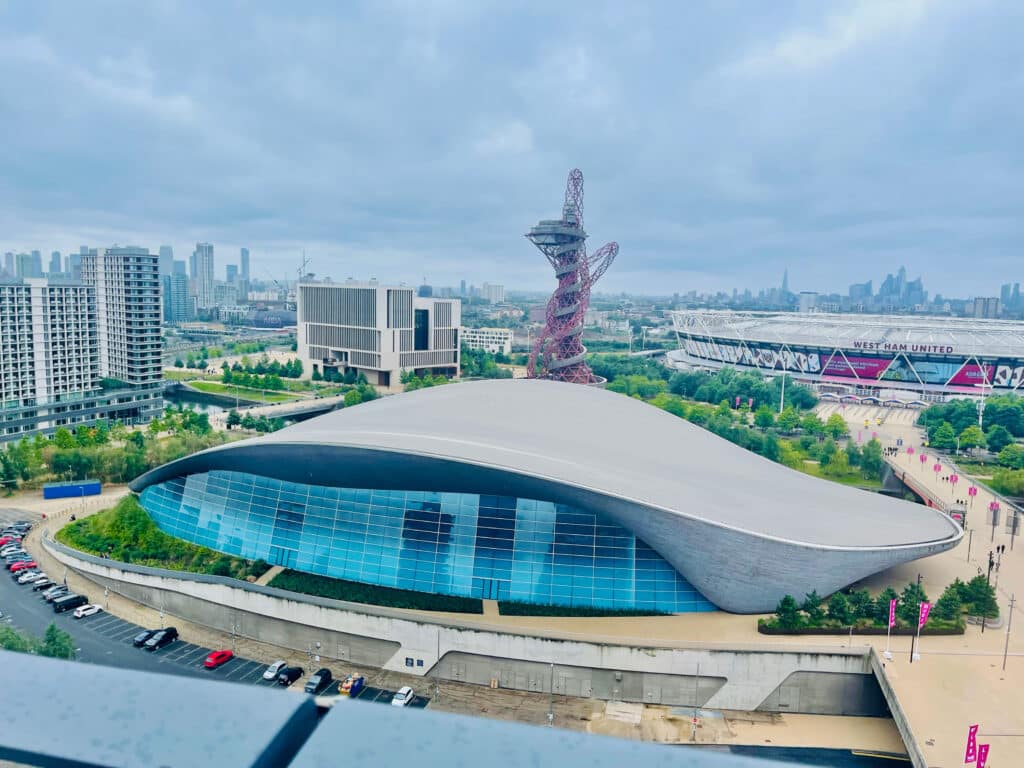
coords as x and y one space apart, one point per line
352 397
57 644
853 454
981 596
812 607
909 605
871 461
789 420
861 604
972 437
1011 456
839 608
882 604
812 425
949 605
233 419
248 422
838 465
764 417
63 438
836 427
787 612
179 363
997 438
943 437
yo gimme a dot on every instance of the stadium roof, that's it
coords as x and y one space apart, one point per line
966 335
596 440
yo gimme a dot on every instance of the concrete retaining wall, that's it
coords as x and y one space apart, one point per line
731 677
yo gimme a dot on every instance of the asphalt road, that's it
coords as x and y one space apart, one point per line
106 639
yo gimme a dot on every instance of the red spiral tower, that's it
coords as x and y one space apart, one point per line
563 241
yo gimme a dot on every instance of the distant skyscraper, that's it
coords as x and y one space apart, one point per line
166 259
176 299
9 263
74 265
494 294
202 275
462 288
231 273
1005 294
180 268
425 291
244 260
25 266
986 307
785 282
37 264
55 263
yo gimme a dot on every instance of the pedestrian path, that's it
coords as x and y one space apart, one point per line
268 577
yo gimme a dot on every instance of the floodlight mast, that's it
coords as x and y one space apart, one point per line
559 345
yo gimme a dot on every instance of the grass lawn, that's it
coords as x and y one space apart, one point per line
230 390
186 375
854 478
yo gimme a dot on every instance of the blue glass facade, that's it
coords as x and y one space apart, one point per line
493 547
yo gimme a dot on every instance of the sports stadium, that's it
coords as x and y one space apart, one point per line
541 492
894 359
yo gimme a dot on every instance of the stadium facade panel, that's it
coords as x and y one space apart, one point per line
537 491
924 358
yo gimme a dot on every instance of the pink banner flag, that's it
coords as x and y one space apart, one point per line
892 613
982 755
971 754
925 608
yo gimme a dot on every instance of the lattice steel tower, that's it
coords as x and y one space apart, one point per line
563 241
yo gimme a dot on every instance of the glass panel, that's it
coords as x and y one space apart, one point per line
494 547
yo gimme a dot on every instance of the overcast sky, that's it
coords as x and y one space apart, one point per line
721 142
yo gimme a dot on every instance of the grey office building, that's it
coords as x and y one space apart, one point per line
177 303
537 491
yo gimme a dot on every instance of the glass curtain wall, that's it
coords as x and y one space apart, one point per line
493 547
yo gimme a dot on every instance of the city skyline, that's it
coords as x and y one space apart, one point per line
721 144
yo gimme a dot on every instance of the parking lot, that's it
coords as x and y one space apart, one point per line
106 639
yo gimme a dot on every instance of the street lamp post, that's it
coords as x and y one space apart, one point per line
551 695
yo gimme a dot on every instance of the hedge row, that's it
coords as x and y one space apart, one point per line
933 627
515 608
357 592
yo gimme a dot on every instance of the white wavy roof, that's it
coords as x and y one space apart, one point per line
607 442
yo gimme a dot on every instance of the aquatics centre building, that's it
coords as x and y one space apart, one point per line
875 356
536 491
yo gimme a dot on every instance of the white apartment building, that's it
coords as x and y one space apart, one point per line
378 330
75 353
49 350
493 340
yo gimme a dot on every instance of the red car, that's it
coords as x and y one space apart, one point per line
5 540
22 565
217 658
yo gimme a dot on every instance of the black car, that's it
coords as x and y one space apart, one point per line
141 638
318 683
60 591
40 586
161 638
289 675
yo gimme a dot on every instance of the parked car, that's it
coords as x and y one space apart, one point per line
54 592
24 577
404 697
140 639
69 601
289 675
318 682
8 540
39 586
37 579
274 670
161 638
87 610
217 658
353 685
23 565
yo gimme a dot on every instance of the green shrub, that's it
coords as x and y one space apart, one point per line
126 533
372 594
516 608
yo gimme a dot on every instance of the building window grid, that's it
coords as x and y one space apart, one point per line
556 554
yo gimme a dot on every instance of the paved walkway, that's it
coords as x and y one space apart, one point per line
268 577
